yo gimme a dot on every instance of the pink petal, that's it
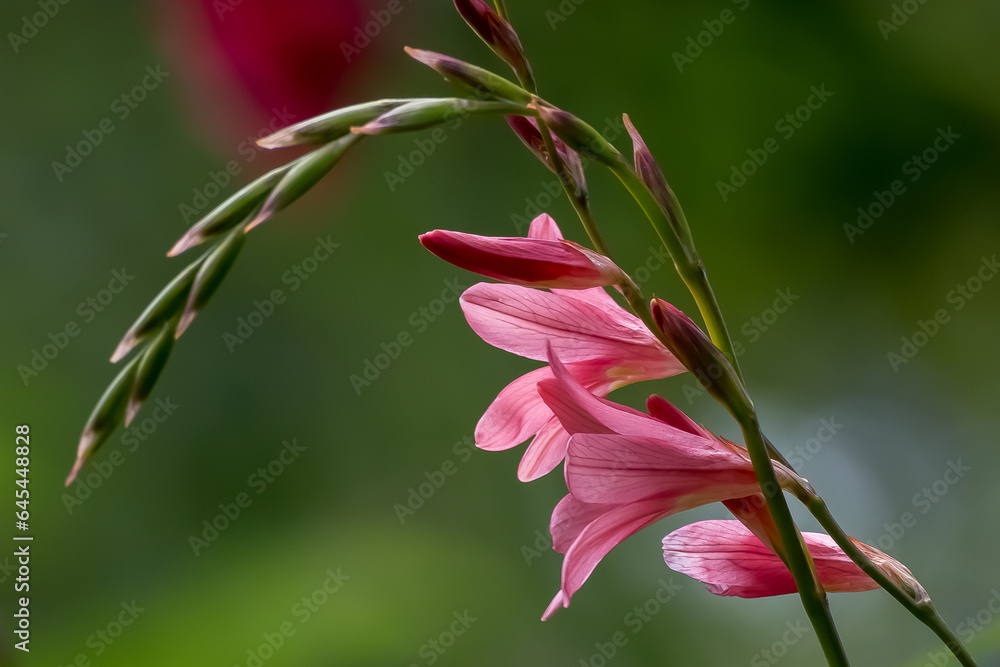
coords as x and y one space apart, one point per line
599 537
579 411
731 560
599 297
519 412
666 412
545 228
545 452
569 518
684 471
515 414
525 321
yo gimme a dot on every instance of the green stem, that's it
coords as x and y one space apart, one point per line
689 265
502 10
795 554
922 609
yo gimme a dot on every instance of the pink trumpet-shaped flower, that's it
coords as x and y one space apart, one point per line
731 560
627 470
603 346
543 259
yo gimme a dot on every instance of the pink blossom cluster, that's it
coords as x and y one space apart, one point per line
624 469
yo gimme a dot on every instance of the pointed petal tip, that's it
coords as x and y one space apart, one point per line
184 322
258 220
86 439
560 601
280 139
73 473
132 410
184 243
126 344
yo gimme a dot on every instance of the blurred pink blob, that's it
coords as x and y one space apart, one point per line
249 67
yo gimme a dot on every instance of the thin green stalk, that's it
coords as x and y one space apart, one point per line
796 556
502 11
687 262
923 609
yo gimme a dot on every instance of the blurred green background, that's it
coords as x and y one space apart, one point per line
477 546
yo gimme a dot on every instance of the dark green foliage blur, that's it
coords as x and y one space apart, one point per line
323 566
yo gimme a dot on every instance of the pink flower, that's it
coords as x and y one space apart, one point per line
627 470
603 346
731 560
543 259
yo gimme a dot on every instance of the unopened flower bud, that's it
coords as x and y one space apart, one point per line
530 262
700 356
482 83
498 34
329 126
527 130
